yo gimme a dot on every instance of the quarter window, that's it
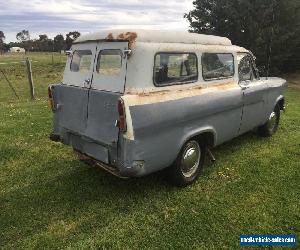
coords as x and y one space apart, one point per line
81 61
109 62
217 66
246 68
175 68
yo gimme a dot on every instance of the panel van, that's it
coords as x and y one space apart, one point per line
139 101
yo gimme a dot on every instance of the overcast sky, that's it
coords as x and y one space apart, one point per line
53 16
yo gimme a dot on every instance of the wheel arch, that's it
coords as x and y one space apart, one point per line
281 102
208 134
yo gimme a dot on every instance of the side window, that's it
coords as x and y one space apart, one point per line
175 68
246 69
109 62
81 61
217 66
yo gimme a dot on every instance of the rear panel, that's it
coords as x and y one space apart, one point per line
87 101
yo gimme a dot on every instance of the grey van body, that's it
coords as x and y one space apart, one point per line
159 119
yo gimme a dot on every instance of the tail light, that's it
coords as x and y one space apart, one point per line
50 95
121 122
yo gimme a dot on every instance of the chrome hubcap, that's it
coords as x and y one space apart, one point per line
272 121
190 159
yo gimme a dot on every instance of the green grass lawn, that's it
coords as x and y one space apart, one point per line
49 199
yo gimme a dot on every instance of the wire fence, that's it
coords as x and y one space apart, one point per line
27 75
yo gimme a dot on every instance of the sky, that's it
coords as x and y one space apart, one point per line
54 17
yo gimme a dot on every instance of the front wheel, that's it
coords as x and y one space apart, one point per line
188 164
271 126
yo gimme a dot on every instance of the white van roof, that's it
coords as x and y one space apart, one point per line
154 36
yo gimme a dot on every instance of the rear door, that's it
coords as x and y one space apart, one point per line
110 67
73 93
107 86
79 67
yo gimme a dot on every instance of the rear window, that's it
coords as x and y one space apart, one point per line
175 68
217 66
109 62
81 61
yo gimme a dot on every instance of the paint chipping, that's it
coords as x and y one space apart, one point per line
143 98
154 91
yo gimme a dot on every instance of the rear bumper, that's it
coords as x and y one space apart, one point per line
118 171
100 156
84 145
91 161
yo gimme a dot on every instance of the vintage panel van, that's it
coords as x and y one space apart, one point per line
140 101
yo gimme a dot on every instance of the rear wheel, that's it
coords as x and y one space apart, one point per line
271 126
188 164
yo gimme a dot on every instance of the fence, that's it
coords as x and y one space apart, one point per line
20 72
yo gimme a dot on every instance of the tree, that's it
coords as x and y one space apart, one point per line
24 39
70 37
23 36
59 42
2 37
257 25
43 38
44 43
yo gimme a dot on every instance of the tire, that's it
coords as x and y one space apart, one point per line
271 126
188 165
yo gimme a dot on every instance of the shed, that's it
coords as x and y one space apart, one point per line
17 50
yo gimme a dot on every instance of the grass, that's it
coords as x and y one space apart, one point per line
48 199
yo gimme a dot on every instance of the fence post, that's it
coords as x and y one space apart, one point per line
30 79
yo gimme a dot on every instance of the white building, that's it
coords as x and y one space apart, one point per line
17 50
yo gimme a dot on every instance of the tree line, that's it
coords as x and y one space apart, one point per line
43 43
269 28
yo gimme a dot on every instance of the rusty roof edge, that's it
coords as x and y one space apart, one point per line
154 36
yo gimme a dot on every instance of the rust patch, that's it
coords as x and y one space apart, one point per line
161 92
221 86
224 86
169 94
109 37
127 36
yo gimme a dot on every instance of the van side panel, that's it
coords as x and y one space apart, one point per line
161 129
277 86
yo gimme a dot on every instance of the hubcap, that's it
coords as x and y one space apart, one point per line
190 159
272 121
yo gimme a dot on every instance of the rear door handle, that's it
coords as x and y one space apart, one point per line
87 82
245 87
